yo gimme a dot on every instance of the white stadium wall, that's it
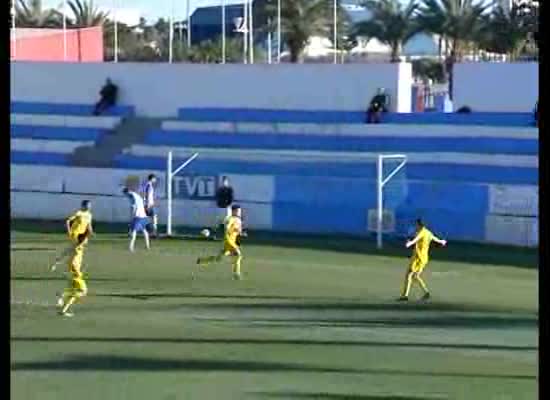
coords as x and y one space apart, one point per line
158 90
50 192
498 87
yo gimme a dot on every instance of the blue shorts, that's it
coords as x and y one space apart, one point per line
139 224
151 212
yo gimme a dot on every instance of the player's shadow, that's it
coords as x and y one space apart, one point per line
308 303
343 306
335 396
270 342
446 322
126 363
182 295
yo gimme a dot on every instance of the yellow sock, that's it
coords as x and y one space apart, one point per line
422 284
407 285
237 265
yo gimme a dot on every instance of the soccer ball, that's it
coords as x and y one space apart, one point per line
205 233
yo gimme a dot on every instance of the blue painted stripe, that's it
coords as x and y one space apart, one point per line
318 218
420 171
208 114
23 107
345 143
40 158
456 225
56 133
398 193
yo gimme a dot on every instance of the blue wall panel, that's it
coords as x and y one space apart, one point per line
315 218
399 193
457 225
345 143
330 191
448 196
455 210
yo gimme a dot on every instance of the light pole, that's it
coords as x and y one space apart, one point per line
240 27
223 31
335 39
278 31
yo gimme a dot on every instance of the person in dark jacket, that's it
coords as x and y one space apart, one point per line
378 105
108 99
224 200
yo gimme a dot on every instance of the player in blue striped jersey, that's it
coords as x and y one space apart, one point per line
139 218
150 201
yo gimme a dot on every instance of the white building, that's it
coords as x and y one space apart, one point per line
421 45
508 4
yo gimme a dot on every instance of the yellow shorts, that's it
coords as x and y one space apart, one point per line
79 284
418 265
230 248
79 239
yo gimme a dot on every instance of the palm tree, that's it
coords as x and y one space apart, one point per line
460 22
392 24
210 51
300 20
86 14
31 14
505 32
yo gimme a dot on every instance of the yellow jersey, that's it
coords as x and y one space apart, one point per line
232 229
422 247
80 222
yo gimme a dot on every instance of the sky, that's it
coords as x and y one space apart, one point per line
149 9
131 10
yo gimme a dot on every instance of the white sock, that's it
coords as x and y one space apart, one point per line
132 240
146 237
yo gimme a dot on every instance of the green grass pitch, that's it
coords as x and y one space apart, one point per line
314 318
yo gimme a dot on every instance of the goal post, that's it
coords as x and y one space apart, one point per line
170 174
381 181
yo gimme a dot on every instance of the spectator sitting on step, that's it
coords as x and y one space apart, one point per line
108 99
378 105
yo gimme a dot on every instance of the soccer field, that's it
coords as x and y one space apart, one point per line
313 319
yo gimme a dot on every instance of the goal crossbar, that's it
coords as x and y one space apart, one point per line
170 174
381 181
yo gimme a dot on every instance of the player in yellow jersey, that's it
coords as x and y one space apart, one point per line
231 243
79 229
419 259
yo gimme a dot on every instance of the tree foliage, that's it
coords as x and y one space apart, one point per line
459 22
32 14
86 14
392 23
301 20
